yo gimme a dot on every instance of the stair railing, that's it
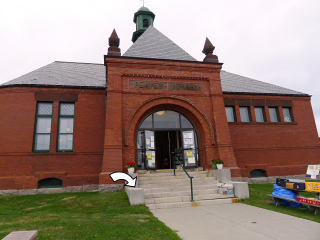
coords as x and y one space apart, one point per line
174 173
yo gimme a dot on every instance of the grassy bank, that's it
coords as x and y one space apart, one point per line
80 216
258 198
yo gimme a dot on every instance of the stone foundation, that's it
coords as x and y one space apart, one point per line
85 188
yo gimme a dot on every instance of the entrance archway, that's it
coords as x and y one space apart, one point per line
162 133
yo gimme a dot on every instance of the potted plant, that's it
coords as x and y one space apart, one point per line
214 164
219 163
130 166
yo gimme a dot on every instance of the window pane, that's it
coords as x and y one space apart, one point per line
185 123
230 114
287 114
66 125
190 158
140 159
273 114
150 140
44 108
259 114
42 142
65 142
244 114
147 123
67 109
151 159
43 125
166 119
140 140
188 139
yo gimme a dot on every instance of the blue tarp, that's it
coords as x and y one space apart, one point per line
286 193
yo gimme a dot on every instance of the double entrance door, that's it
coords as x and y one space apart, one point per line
156 149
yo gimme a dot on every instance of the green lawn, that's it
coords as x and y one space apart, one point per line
80 216
258 198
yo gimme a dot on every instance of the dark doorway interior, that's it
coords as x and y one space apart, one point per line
166 143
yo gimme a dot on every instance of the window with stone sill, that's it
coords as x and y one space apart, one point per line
42 133
245 114
259 112
273 111
65 127
287 114
230 114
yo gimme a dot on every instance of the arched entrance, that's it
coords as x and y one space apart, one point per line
160 134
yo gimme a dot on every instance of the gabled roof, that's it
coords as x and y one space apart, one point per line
153 44
88 75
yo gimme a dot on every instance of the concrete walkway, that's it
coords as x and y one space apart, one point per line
236 221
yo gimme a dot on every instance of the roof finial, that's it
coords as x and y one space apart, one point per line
143 2
208 50
114 42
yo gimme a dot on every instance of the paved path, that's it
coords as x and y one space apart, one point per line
236 221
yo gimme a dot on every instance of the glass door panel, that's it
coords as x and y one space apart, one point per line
150 149
190 158
189 149
141 150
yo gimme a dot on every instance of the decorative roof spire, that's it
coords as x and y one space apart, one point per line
208 50
143 19
114 42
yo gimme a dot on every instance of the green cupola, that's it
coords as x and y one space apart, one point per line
143 19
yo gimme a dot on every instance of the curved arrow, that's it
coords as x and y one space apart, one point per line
130 182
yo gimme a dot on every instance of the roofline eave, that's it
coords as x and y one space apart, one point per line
159 59
52 86
267 94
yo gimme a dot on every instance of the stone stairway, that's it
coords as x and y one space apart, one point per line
163 190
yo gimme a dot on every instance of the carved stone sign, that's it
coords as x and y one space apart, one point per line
177 86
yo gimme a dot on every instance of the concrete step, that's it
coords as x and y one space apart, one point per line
187 198
174 180
170 173
178 183
144 178
180 188
180 193
191 204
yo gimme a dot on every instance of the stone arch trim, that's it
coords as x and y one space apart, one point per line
147 107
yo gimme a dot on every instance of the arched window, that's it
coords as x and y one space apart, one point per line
145 23
257 173
50 183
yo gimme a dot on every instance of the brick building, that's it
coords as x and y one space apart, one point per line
73 124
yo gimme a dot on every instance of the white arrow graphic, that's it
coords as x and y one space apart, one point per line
130 182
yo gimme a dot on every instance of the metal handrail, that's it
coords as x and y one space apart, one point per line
174 173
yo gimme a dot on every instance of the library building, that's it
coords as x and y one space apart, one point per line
73 124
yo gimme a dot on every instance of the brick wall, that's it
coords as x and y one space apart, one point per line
282 148
106 126
20 167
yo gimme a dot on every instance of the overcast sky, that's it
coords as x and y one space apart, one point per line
275 41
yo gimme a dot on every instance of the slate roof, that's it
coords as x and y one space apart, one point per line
233 83
153 44
64 74
88 75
